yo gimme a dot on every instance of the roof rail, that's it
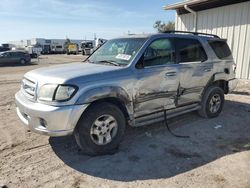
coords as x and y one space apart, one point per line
194 33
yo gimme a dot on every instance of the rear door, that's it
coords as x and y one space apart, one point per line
16 57
157 80
195 69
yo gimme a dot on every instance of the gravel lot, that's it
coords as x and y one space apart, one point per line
217 154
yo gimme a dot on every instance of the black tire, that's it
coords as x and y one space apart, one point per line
212 93
22 62
85 139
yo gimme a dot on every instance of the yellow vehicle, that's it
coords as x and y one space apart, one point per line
72 48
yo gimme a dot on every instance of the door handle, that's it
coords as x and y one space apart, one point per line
207 70
170 74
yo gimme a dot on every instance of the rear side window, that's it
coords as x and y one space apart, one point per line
17 54
220 48
190 50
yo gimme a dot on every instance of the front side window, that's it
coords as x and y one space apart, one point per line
117 51
159 52
190 50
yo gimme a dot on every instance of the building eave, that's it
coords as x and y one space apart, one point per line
199 5
182 4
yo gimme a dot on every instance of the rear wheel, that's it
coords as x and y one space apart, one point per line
212 102
100 129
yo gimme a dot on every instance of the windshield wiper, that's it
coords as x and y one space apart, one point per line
110 62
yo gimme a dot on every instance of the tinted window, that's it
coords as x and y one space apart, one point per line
13 54
5 54
220 48
190 50
20 54
159 52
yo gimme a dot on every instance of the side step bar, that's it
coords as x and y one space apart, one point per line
159 116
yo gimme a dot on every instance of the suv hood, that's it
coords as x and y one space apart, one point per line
72 73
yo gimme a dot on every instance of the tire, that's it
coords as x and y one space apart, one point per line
212 102
22 61
92 144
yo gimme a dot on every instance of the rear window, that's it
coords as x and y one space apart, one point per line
190 50
220 48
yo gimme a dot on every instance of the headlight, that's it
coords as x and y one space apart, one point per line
54 92
46 92
64 92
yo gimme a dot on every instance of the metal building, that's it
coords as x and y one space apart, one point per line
228 19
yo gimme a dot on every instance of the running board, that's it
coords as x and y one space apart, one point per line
159 116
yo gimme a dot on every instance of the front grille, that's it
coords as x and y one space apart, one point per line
29 87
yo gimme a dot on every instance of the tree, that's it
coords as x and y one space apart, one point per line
162 26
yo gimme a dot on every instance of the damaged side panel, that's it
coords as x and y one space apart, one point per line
155 89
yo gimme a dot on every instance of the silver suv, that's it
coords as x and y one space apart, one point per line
134 80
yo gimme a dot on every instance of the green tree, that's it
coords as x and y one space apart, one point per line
162 26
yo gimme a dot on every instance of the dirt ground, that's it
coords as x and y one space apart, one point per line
216 154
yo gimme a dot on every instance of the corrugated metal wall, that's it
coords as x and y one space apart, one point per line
231 22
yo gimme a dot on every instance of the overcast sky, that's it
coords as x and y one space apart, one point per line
77 19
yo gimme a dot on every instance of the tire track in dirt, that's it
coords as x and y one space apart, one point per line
7 82
8 139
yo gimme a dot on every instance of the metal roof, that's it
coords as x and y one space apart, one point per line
198 5
181 4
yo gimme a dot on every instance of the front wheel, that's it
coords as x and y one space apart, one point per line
100 129
212 102
22 61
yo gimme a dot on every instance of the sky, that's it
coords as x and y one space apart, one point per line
79 19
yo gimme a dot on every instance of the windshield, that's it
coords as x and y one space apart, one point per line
117 51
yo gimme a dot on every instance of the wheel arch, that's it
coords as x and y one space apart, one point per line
114 95
220 80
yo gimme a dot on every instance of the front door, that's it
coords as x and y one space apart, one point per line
157 79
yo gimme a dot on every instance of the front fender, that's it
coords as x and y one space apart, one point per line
99 93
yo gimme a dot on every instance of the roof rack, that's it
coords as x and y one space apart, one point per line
194 33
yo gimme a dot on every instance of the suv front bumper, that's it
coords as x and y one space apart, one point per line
46 119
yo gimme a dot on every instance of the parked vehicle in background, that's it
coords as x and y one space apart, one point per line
46 49
87 47
99 42
3 49
11 57
57 49
33 51
135 80
72 49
